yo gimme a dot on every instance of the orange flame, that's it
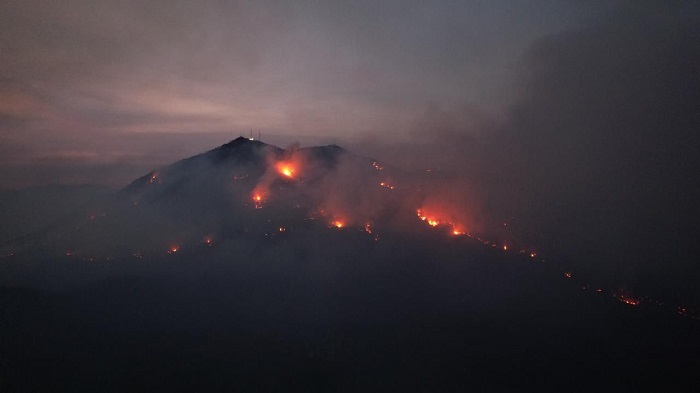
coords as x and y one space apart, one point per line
286 169
628 300
337 223
434 221
258 198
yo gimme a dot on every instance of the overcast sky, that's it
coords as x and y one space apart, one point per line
85 85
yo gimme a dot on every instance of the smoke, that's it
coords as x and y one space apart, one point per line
594 160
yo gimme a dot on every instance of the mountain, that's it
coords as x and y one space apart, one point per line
237 188
251 267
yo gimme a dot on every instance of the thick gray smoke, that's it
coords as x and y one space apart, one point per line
596 160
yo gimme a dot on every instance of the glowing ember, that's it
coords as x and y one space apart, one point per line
282 229
628 300
387 185
567 274
258 199
457 232
368 228
532 255
207 241
337 224
505 247
154 178
377 166
173 249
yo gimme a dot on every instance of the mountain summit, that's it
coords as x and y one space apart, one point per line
241 188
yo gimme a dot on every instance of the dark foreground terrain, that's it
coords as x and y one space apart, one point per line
392 315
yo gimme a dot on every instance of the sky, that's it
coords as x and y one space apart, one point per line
101 91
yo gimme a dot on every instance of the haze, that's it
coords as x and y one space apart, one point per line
576 119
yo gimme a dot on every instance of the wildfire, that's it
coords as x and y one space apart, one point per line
568 275
337 223
173 249
286 169
154 178
208 241
387 185
368 228
434 222
282 229
258 199
376 166
628 300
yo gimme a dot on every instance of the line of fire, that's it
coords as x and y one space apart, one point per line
289 170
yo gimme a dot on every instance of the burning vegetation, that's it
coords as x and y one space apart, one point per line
434 221
284 171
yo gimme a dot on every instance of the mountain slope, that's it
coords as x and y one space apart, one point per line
257 268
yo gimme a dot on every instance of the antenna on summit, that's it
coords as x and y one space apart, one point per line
259 136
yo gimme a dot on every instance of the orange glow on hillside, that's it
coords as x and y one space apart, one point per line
286 169
628 300
258 198
433 221
173 249
337 223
